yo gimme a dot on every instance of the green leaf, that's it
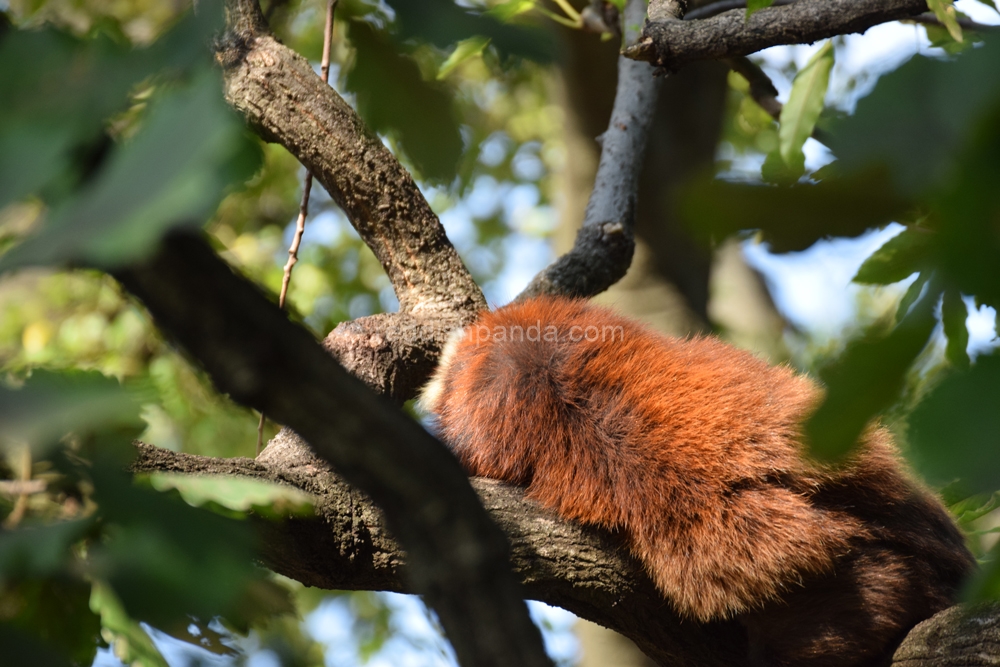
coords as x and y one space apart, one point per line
393 98
944 10
866 379
240 494
953 316
464 50
936 100
955 431
755 5
791 218
50 405
174 173
805 102
898 259
129 641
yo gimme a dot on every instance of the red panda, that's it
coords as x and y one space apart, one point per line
692 451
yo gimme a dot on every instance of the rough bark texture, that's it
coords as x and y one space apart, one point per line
584 570
457 556
672 43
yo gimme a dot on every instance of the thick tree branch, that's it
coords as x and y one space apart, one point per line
603 249
286 102
457 558
672 43
581 569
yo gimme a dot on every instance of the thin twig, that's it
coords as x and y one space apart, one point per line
24 476
964 24
300 222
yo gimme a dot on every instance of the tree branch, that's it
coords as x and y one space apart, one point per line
672 43
457 558
286 102
584 570
604 245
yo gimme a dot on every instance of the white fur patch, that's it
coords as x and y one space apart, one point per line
430 395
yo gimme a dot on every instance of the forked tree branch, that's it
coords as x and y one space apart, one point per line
457 557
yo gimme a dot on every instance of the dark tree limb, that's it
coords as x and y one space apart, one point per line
670 43
457 557
604 245
584 570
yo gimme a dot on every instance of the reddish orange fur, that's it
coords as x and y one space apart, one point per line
692 450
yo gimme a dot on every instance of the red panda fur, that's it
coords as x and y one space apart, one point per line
691 449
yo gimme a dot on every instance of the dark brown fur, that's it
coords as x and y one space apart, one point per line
692 450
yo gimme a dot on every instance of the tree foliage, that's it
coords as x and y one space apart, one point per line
114 131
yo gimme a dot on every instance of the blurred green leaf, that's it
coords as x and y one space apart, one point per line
968 212
444 23
239 494
58 91
50 405
129 641
464 50
755 5
19 647
918 116
898 258
955 431
393 97
167 560
793 217
953 317
805 102
56 611
175 172
38 551
865 380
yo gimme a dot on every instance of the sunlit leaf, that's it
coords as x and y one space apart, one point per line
897 259
805 102
953 316
240 494
175 172
865 380
464 50
955 431
944 10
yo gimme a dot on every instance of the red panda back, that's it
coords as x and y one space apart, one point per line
690 448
